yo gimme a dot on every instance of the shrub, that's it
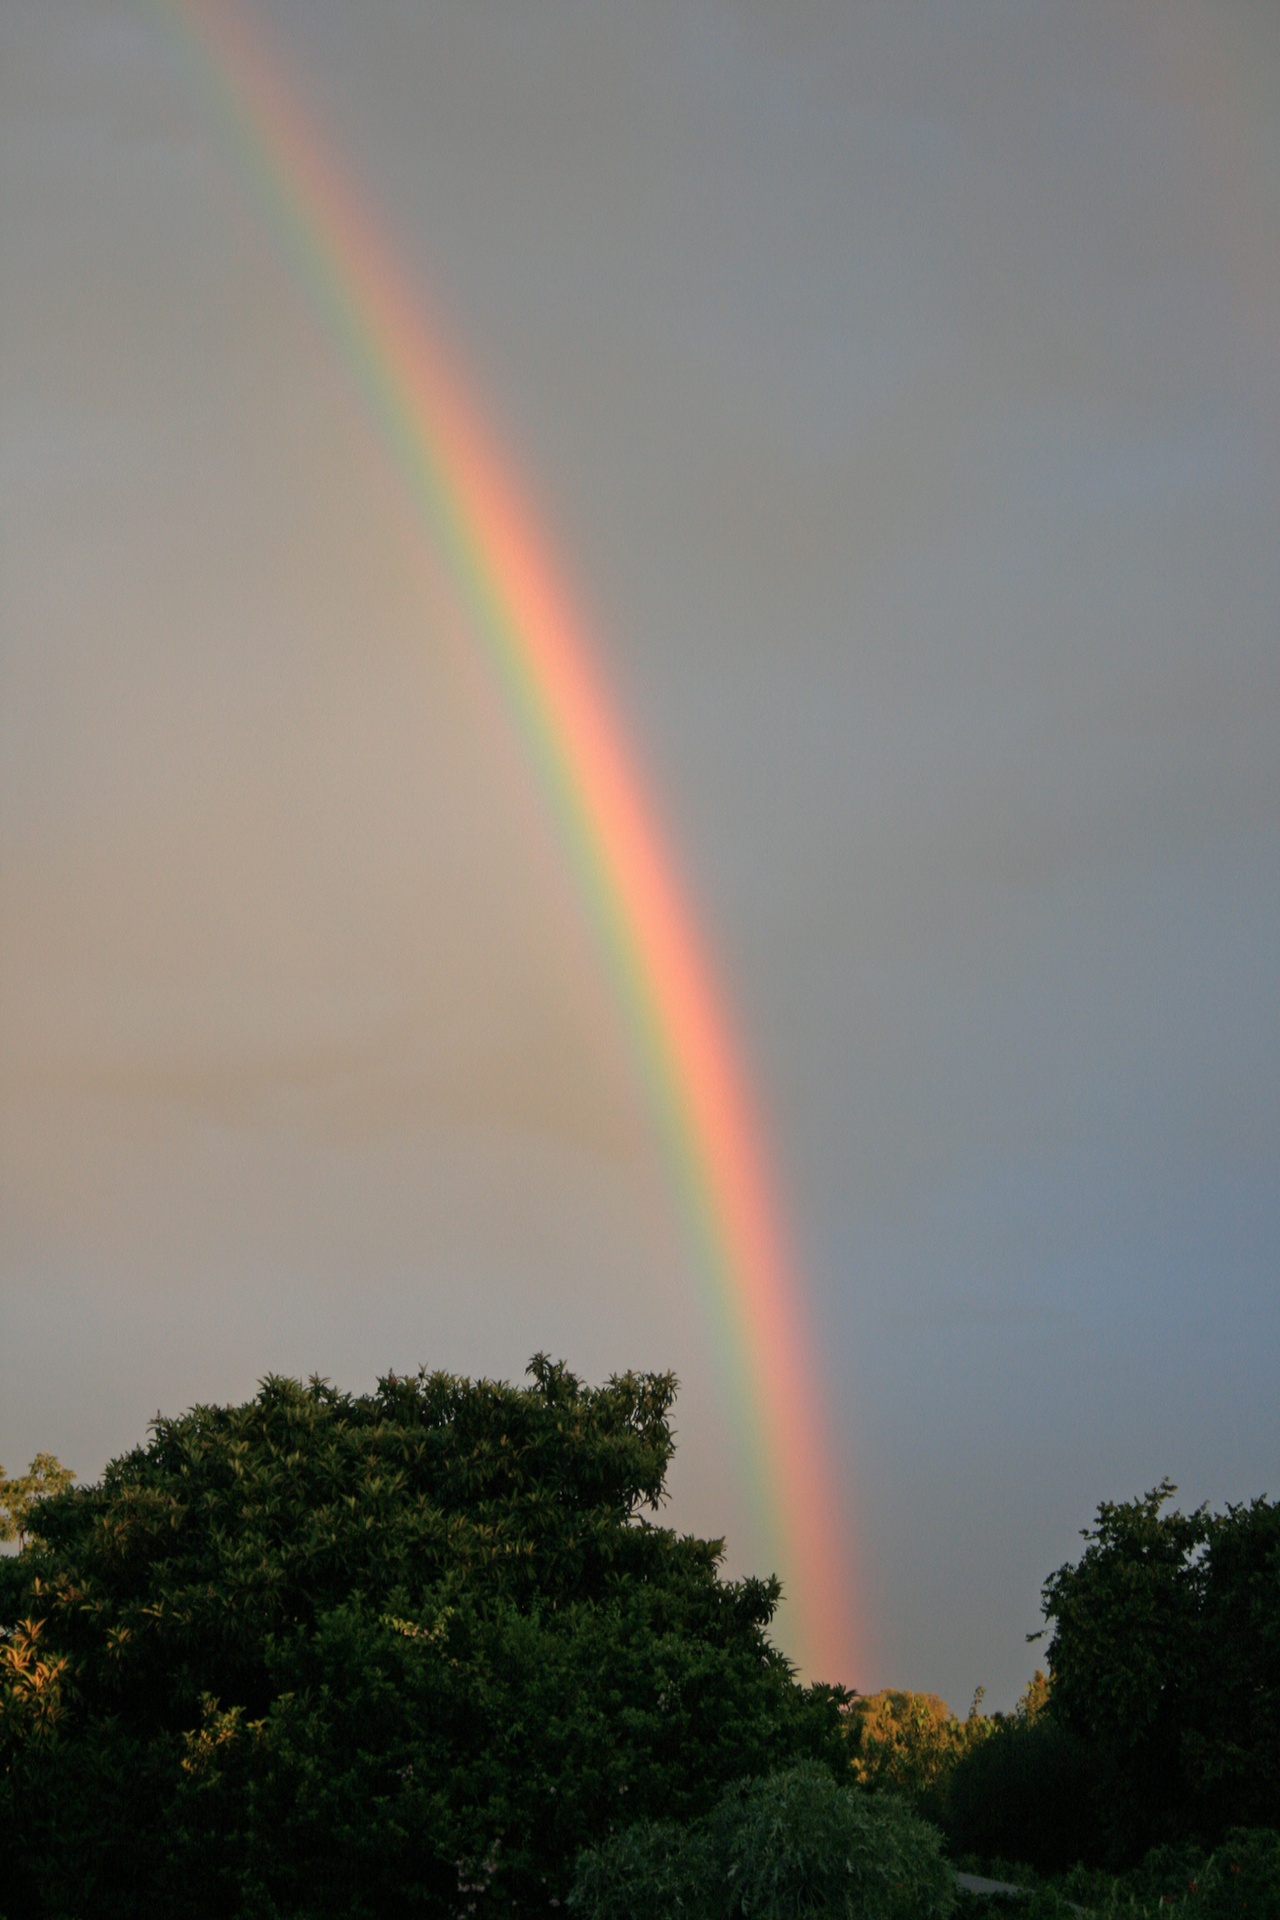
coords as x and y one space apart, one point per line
1169 1874
653 1870
797 1844
1242 1878
792 1846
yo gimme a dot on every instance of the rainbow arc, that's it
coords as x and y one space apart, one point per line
515 603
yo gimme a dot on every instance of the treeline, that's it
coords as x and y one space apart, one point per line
427 1652
1158 1724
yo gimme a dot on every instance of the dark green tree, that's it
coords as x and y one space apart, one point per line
397 1654
1024 1794
1165 1665
1231 1744
1122 1659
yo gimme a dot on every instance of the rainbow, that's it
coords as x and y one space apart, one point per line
515 603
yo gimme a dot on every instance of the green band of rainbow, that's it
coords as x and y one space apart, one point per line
515 604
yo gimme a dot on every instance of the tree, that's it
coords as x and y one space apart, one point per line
18 1497
910 1744
1165 1664
401 1653
1231 1742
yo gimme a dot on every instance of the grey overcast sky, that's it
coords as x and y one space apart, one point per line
901 384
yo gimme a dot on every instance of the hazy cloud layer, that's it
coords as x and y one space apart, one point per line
901 387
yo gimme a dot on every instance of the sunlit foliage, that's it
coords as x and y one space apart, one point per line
18 1497
909 1744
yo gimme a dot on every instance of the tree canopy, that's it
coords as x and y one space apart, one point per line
18 1497
910 1744
399 1653
1165 1665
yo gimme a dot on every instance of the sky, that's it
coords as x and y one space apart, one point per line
899 386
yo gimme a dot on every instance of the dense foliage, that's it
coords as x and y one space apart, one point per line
1165 1667
1023 1794
392 1655
415 1653
793 1846
1238 1880
1161 1725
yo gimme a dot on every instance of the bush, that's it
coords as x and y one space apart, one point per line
1242 1878
1169 1874
653 1870
792 1846
797 1844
